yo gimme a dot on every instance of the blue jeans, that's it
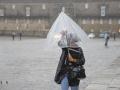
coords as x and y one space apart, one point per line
65 85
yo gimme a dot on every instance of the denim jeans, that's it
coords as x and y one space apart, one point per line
65 85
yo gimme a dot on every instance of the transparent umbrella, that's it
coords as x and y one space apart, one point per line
62 29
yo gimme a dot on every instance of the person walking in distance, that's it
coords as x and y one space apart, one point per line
114 35
20 34
107 37
13 35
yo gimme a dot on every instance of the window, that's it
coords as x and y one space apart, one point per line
84 21
101 30
27 21
101 21
110 21
6 21
86 5
92 21
1 12
43 6
119 30
103 8
119 6
119 21
92 30
25 25
28 11
63 9
16 21
17 28
13 6
39 21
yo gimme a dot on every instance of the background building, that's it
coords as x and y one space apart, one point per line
35 17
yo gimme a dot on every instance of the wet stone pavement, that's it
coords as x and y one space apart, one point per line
107 79
29 65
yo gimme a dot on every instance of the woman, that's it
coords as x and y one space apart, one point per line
64 67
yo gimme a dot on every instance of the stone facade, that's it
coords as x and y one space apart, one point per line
38 15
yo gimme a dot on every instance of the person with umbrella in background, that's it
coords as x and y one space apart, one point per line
66 34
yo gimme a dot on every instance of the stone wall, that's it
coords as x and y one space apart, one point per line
86 13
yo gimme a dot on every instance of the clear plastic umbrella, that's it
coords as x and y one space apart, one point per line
62 30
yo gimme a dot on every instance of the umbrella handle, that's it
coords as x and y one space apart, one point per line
68 42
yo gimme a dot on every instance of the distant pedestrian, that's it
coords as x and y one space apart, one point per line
0 82
114 35
13 35
107 37
6 82
20 34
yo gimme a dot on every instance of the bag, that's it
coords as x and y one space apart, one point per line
70 58
77 72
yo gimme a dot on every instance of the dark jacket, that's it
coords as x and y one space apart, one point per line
63 65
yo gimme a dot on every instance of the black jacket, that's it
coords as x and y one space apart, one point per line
62 70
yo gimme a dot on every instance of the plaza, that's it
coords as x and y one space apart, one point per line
28 65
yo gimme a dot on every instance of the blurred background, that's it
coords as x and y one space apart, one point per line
35 17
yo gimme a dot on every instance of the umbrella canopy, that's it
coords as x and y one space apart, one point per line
62 29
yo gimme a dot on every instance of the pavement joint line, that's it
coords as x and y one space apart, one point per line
100 84
112 87
112 78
